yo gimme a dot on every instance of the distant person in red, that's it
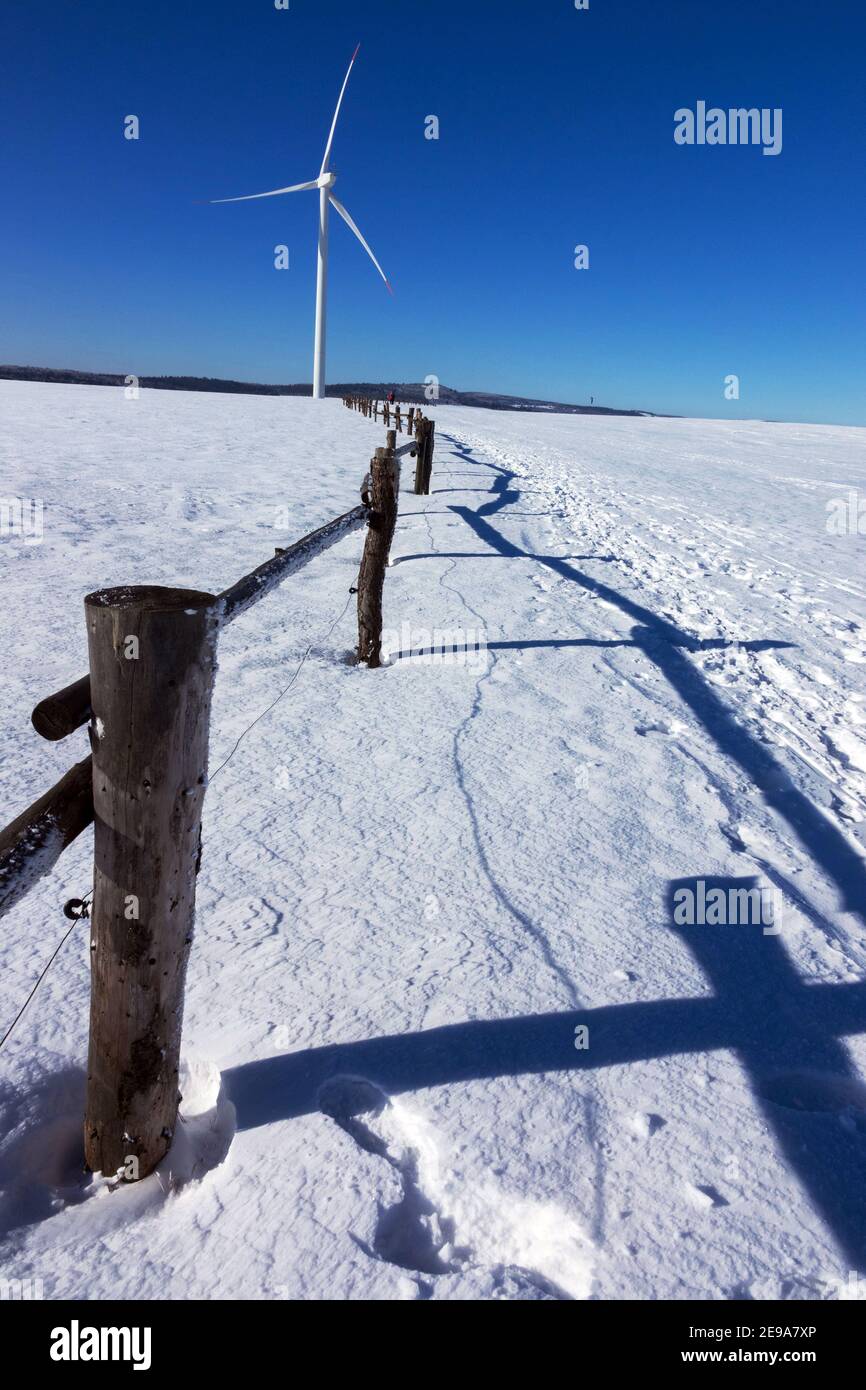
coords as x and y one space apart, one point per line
390 397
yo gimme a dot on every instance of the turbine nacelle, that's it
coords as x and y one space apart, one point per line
326 180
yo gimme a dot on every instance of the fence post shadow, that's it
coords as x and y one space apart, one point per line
800 1074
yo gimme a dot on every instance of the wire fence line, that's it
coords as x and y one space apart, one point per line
146 702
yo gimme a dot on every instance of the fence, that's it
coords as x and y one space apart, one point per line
423 430
147 702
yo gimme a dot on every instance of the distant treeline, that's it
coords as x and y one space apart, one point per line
413 392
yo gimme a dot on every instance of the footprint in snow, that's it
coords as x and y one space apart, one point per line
704 1196
411 1234
520 1247
645 1124
660 727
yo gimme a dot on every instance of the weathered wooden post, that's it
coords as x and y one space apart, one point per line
385 484
152 663
430 428
398 421
410 422
419 457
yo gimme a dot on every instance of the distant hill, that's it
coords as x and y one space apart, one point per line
412 392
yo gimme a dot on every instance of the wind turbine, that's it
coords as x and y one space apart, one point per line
325 183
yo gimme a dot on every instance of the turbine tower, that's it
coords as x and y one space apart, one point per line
325 184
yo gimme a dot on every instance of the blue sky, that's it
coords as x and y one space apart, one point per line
556 128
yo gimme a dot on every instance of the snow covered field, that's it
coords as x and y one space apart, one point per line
420 884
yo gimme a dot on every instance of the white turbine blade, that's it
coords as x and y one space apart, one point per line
295 188
337 112
349 223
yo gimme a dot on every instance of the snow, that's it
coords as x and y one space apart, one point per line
419 884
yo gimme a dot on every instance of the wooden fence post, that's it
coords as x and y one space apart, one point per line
152 663
420 438
385 475
428 453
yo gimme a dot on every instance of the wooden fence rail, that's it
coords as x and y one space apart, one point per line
35 840
60 714
57 715
31 845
